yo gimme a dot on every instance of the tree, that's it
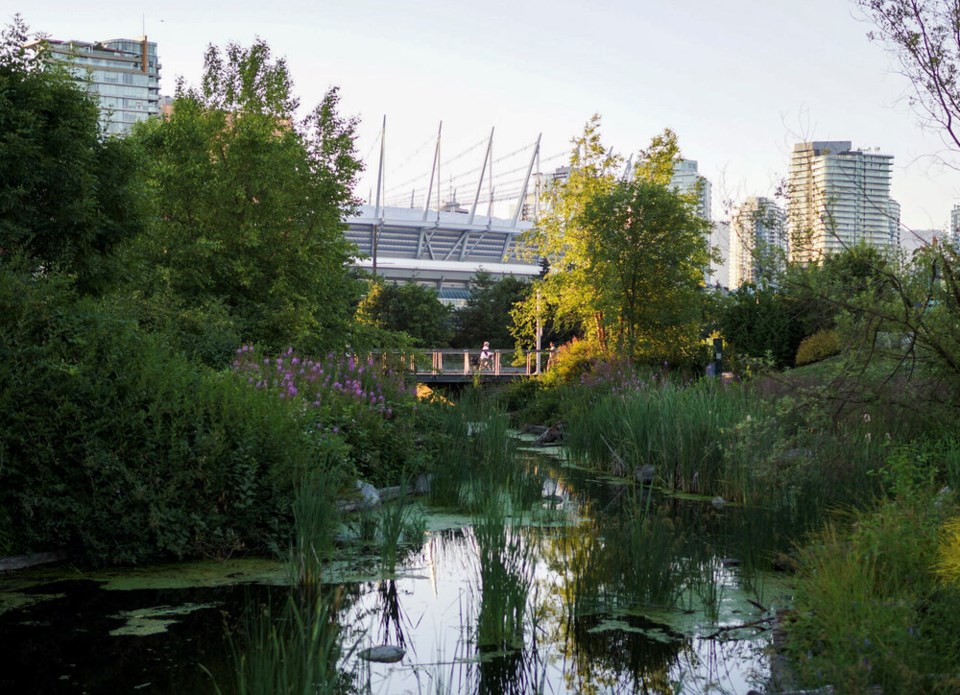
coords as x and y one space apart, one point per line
409 308
923 35
627 255
925 303
68 195
250 202
486 315
761 321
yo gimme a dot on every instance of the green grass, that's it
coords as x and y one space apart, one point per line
869 611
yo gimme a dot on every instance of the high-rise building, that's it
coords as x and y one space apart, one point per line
124 74
839 197
757 242
686 179
953 234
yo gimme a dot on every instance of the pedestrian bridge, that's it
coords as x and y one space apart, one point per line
452 366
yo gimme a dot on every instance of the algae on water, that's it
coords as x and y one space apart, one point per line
154 621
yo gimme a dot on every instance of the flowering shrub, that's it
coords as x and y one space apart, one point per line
357 400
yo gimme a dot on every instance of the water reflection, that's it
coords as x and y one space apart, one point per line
590 620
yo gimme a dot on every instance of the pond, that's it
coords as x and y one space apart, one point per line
581 629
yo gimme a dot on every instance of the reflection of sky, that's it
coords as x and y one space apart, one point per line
438 597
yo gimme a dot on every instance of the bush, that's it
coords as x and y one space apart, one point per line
371 409
570 362
819 346
120 450
869 611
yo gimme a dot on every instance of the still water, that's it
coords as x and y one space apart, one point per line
162 629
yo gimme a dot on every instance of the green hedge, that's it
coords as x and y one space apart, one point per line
119 450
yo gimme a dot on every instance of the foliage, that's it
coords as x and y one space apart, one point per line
757 322
869 612
68 195
409 308
816 347
948 554
248 204
570 363
294 650
486 316
120 450
626 256
367 407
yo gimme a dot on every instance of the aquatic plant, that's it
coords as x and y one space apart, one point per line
294 652
398 524
478 452
506 556
314 520
675 429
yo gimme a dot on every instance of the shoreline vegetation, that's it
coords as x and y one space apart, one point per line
179 379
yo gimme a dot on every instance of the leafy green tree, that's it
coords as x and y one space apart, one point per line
409 308
759 322
486 315
249 205
627 256
68 195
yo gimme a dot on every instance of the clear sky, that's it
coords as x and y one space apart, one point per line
739 81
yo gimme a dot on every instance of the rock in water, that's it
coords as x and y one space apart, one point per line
369 497
384 654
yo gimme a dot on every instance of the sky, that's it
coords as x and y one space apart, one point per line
739 81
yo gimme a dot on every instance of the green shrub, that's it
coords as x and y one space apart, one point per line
819 346
571 361
869 611
120 450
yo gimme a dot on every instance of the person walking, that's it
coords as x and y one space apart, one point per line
485 356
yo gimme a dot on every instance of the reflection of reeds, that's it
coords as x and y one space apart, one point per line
640 557
295 652
507 560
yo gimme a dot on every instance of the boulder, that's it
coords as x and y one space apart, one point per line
383 654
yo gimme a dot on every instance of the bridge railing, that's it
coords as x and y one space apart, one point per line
456 362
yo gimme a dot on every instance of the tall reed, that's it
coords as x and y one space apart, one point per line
676 429
295 652
314 521
399 525
479 452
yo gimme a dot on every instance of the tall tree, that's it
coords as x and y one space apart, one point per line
68 195
627 257
486 315
250 202
409 308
